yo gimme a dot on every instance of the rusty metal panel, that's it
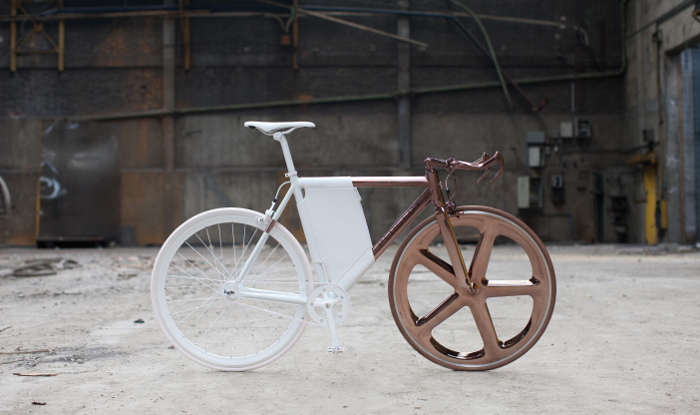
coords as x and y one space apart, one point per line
152 203
80 183
20 150
19 227
141 144
19 145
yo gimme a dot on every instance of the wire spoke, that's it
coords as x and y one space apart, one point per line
211 247
273 270
204 311
189 299
185 286
190 277
188 309
268 257
205 260
280 260
216 260
233 236
226 330
208 328
204 304
240 308
246 247
221 249
200 271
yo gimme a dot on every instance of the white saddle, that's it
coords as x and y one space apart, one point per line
270 128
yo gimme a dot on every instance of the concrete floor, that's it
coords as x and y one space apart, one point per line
623 339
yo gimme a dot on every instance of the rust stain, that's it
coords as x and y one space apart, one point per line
21 226
148 28
114 39
153 203
141 144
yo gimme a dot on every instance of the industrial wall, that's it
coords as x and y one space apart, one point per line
662 45
149 142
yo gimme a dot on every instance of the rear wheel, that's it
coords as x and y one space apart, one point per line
215 329
449 325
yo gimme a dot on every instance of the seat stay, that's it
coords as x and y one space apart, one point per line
263 238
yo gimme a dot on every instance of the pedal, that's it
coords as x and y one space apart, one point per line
336 349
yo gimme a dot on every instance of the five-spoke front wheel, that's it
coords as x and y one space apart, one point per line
455 326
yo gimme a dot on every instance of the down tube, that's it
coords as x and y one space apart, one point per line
359 269
402 223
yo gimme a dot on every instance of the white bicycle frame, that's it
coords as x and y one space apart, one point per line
347 267
271 216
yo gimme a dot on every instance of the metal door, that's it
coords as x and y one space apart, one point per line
79 183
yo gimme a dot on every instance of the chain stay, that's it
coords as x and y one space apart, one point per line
306 319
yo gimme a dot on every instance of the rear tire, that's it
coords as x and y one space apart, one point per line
209 327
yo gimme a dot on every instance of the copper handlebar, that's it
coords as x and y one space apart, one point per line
482 163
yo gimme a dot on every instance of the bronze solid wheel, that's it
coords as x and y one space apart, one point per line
431 306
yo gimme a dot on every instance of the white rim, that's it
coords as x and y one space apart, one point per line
173 332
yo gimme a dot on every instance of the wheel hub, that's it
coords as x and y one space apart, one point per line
231 289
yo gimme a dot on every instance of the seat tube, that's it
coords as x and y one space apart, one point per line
290 165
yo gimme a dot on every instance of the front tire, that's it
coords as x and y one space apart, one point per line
431 308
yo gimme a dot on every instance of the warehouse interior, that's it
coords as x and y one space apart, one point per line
128 281
120 119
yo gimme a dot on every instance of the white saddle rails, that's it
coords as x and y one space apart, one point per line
269 128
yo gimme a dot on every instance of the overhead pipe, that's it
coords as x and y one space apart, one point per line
534 107
371 97
520 20
73 13
301 10
491 51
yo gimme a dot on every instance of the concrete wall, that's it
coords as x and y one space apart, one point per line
654 100
210 160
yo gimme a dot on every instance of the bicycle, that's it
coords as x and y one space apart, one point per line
233 290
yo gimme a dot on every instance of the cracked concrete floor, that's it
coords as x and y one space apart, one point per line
623 339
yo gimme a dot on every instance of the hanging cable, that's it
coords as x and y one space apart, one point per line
493 54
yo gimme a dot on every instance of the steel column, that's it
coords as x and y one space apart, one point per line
169 89
13 38
403 29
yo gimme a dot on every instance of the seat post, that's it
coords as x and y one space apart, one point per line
290 165
285 150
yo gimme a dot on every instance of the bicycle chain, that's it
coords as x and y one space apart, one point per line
305 320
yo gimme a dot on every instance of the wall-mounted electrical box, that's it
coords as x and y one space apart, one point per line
566 129
583 128
578 128
529 192
556 181
535 137
556 193
535 157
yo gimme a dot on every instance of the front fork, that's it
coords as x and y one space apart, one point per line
442 216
